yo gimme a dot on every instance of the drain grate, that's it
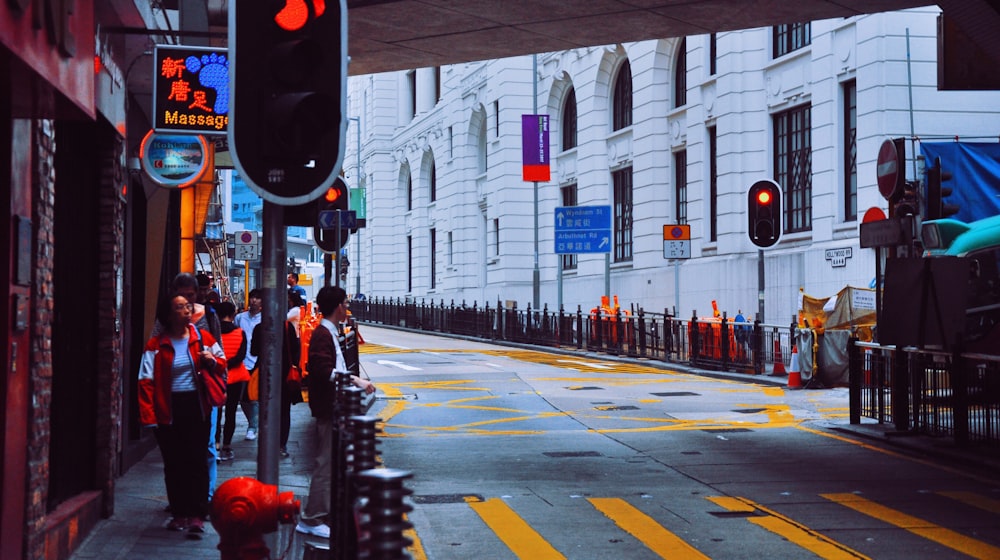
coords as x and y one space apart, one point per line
677 394
585 388
446 498
750 410
561 454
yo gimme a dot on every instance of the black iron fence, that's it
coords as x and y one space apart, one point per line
715 343
927 392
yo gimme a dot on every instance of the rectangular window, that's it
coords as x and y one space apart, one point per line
496 111
569 198
451 248
680 187
713 54
496 237
409 263
850 151
623 214
437 84
433 258
713 185
791 37
793 166
411 82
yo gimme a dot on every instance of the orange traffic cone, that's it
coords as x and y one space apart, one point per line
794 375
779 361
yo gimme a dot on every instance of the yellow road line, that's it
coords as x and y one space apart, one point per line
975 500
814 542
917 526
416 548
520 538
641 526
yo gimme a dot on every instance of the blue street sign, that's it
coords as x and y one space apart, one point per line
328 219
583 229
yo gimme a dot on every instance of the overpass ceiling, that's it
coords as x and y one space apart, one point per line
387 35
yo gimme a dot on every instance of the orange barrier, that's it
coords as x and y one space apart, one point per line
794 376
779 360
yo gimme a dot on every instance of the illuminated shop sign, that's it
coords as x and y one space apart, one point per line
190 90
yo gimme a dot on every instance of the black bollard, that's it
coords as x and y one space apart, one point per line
381 510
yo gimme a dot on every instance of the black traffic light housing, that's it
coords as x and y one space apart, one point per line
764 213
936 192
287 87
334 200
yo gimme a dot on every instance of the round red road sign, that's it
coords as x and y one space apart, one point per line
887 168
873 214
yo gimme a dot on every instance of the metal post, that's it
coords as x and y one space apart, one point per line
274 311
357 179
760 285
535 274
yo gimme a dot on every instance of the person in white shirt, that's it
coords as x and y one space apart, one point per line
247 320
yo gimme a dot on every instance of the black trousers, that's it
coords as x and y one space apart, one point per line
185 456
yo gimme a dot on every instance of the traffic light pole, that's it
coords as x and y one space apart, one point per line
760 285
275 310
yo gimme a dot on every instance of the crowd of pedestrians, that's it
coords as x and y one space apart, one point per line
196 334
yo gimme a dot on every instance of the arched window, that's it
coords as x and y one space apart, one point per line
481 162
680 76
569 121
622 111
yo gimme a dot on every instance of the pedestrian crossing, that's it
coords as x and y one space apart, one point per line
640 533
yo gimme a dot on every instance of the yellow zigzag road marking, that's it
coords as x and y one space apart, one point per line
519 537
917 526
818 544
975 500
645 529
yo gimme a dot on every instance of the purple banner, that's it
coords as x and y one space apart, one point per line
535 147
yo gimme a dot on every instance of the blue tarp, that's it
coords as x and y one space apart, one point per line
975 169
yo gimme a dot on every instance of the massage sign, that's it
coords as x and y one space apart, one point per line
190 90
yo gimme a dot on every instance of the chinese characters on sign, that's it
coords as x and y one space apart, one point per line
677 241
191 90
583 229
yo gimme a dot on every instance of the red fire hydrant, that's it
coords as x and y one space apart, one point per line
243 510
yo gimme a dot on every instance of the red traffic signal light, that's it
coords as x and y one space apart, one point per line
764 213
333 194
287 84
331 209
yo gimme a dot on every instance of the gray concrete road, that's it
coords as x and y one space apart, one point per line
526 454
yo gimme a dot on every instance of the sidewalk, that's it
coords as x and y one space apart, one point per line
138 527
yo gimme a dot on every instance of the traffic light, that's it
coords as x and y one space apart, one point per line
764 213
287 86
936 193
330 210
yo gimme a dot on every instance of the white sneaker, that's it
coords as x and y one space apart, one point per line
322 530
251 434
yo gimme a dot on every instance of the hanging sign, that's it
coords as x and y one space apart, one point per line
174 160
535 147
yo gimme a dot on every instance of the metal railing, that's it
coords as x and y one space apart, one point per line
927 392
715 343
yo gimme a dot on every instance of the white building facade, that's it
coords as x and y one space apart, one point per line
672 131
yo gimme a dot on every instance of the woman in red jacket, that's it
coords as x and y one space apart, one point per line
169 402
